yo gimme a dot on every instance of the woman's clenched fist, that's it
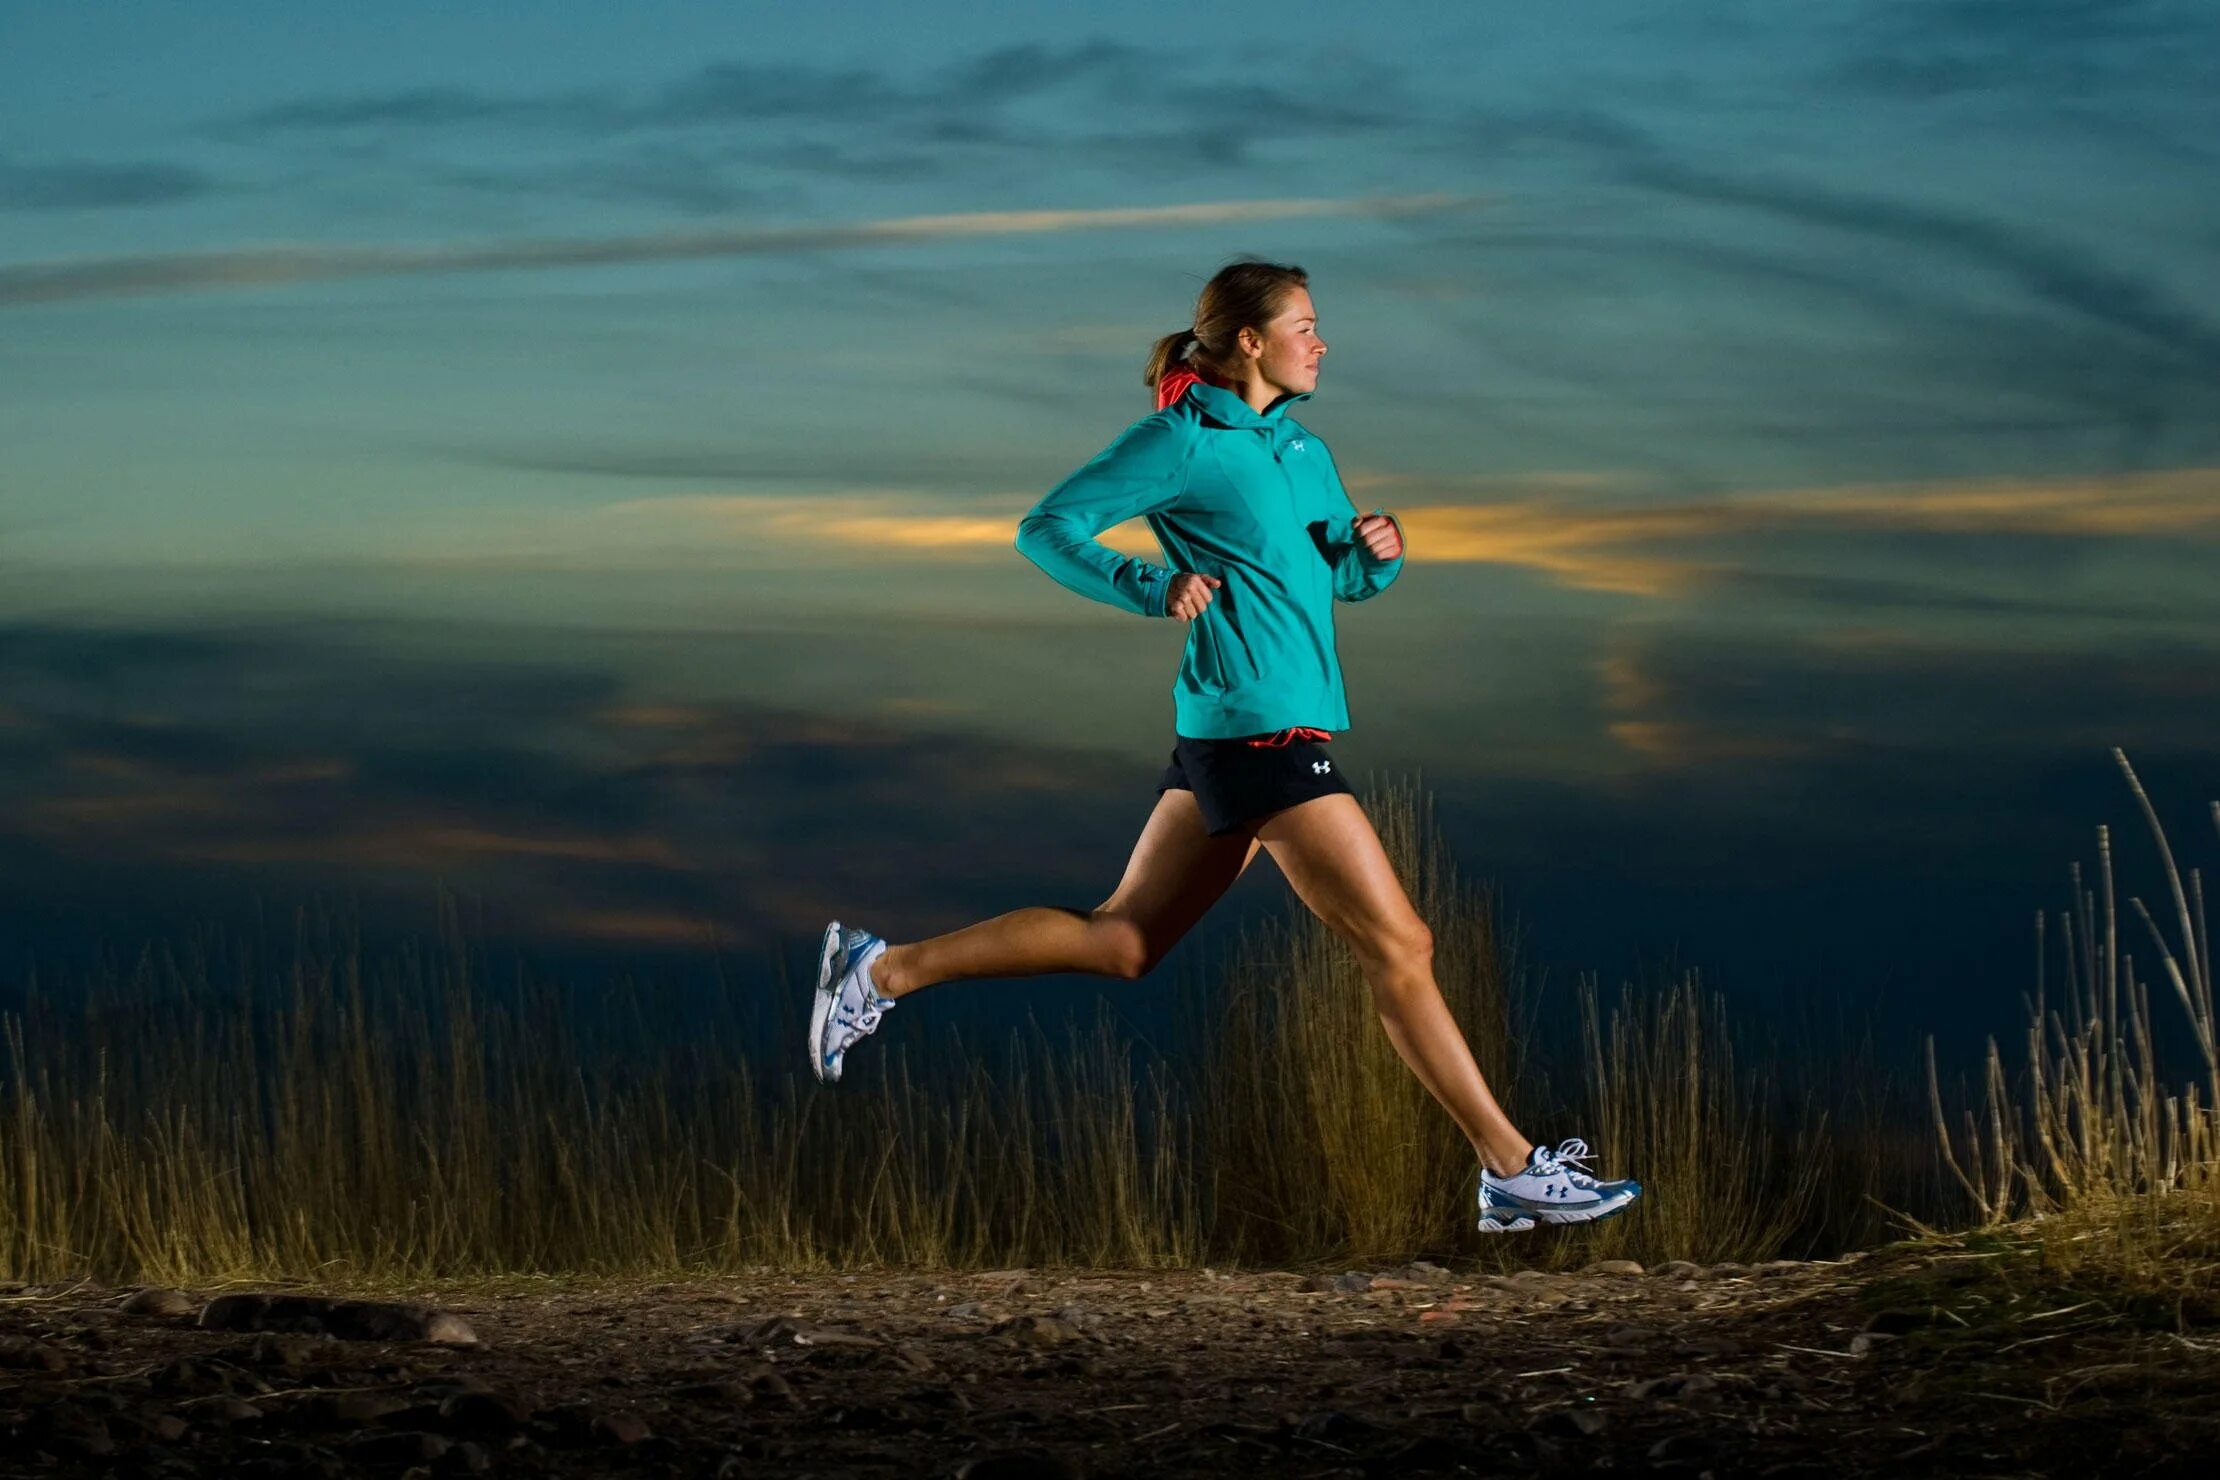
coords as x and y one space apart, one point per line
1189 594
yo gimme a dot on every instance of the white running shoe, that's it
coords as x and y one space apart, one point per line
1553 1187
848 1004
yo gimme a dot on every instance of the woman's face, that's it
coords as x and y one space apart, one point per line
1289 349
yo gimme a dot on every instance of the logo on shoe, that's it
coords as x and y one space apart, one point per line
1320 768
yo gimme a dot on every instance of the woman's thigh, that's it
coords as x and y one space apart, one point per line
1334 862
1177 872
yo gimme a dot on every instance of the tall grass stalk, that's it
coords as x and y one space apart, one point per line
1726 1172
2094 1129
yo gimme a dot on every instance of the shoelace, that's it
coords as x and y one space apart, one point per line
855 1021
1570 1157
858 1017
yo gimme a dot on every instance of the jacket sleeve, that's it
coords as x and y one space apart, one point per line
1145 469
1358 574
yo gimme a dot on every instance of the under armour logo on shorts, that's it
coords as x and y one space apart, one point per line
1320 768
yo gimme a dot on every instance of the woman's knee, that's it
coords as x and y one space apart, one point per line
1406 945
1123 948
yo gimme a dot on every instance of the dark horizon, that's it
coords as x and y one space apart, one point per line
1852 897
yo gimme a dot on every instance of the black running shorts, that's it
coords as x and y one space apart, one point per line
1236 783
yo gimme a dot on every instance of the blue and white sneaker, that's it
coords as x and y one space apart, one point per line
848 1003
1553 1187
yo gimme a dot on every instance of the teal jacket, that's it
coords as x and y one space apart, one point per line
1252 499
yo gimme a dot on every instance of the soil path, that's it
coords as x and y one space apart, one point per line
1907 1362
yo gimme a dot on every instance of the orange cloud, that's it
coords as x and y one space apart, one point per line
922 704
102 763
648 927
431 846
655 716
1671 744
63 816
1588 531
1614 549
331 768
1625 685
1586 549
2173 501
65 279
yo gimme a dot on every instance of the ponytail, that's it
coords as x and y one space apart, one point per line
1168 353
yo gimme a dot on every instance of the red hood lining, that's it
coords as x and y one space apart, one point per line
1177 379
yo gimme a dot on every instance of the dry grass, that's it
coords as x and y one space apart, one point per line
1320 1140
1325 1145
208 1117
389 1133
2093 1157
1664 1093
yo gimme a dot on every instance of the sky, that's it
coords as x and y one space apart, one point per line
571 454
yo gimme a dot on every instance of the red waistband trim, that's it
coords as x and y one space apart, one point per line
1293 733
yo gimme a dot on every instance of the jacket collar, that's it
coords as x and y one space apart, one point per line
1228 409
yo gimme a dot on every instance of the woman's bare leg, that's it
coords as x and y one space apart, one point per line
1333 859
1177 872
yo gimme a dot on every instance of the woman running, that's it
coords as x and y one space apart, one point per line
1249 507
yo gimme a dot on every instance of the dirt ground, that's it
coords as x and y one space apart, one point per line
1910 1361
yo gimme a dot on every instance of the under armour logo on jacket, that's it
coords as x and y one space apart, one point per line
1320 768
1296 445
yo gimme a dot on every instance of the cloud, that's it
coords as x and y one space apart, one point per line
805 469
2048 50
73 819
960 102
2139 308
1027 67
431 844
330 757
654 928
52 282
662 174
2177 501
1503 130
1853 697
1587 532
722 531
87 186
1926 357
1677 745
421 107
656 716
1879 593
869 161
1634 690
1585 549
1630 549
983 111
